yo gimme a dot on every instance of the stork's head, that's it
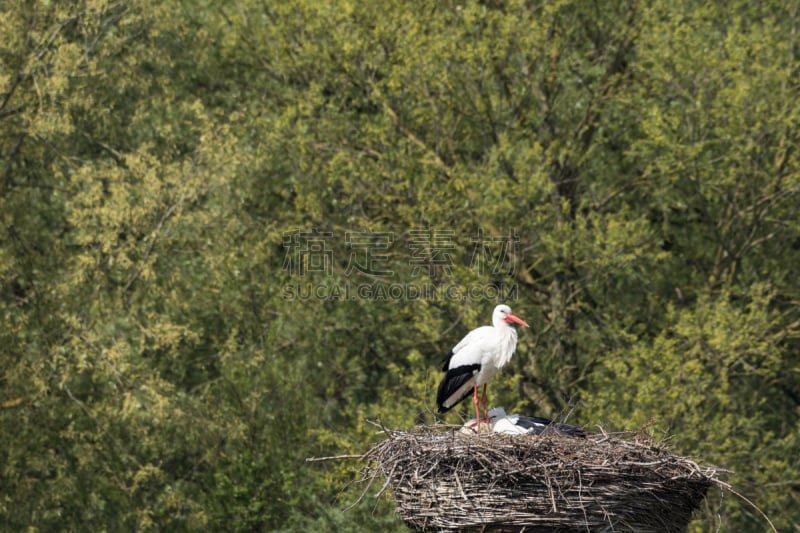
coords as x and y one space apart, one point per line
503 316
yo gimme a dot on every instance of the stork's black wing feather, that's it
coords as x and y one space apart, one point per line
568 429
533 422
446 360
540 425
452 381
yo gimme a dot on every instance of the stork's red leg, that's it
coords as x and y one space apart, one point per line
485 410
475 401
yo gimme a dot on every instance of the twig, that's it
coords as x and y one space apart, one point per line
335 457
747 501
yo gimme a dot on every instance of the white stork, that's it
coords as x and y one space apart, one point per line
476 359
500 422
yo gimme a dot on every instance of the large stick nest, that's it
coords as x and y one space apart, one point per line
445 480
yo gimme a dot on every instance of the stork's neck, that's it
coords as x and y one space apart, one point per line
507 337
506 331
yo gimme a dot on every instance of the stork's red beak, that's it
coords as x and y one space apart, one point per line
514 318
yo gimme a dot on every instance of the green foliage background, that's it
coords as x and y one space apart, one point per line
160 369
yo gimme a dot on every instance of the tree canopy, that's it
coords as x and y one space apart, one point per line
232 234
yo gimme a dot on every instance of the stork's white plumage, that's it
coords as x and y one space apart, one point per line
477 358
